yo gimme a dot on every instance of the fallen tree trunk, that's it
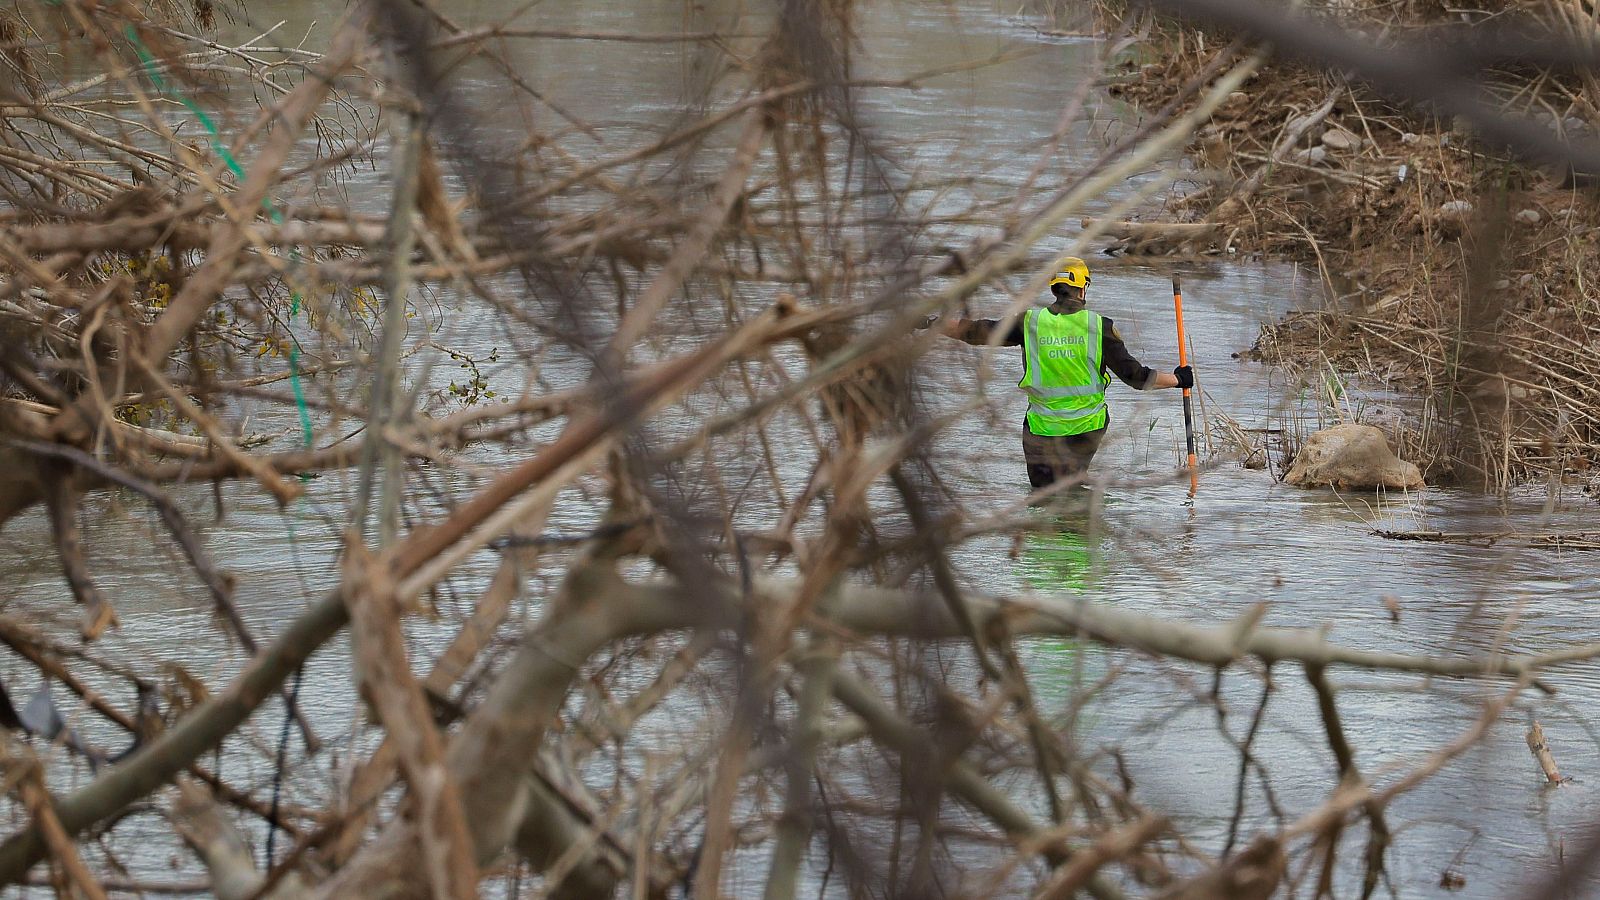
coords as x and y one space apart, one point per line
1155 237
1551 540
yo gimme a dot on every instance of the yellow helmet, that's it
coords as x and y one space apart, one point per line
1071 271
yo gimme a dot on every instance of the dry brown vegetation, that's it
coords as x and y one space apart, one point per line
861 714
1457 269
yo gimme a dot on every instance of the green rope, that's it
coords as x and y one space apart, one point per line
152 70
300 399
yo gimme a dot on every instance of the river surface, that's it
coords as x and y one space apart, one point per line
1244 540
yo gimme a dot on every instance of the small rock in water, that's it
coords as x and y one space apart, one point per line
1313 156
1339 139
1392 604
1529 217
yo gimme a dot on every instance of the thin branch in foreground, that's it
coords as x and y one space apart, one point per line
62 502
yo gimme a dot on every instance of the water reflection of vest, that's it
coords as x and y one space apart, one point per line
1060 562
1061 372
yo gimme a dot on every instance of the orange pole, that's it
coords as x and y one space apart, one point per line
1188 415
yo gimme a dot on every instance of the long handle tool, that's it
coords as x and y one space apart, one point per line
1188 415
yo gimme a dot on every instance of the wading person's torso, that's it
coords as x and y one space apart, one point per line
1062 372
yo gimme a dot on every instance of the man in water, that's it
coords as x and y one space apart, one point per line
1067 352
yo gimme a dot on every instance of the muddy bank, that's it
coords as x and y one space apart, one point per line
1453 271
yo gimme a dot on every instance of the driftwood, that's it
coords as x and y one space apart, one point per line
1548 540
1293 131
1156 238
1541 753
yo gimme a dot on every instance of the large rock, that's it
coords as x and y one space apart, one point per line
1351 457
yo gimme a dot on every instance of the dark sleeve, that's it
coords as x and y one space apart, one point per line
978 331
1114 356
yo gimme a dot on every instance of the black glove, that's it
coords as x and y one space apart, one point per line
1185 376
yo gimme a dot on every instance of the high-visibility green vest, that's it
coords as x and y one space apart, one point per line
1061 372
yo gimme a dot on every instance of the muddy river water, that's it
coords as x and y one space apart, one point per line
1245 539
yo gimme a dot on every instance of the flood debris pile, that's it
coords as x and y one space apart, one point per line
660 596
1458 261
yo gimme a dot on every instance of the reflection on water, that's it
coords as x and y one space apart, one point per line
1243 541
1061 559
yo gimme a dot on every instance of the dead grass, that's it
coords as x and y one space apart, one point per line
1453 273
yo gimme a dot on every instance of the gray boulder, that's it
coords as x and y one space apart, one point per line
1341 140
1351 457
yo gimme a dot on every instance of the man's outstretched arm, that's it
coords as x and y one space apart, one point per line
1133 374
974 331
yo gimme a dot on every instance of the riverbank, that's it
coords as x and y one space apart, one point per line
1453 272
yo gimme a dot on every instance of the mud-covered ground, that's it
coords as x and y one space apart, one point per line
1453 270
